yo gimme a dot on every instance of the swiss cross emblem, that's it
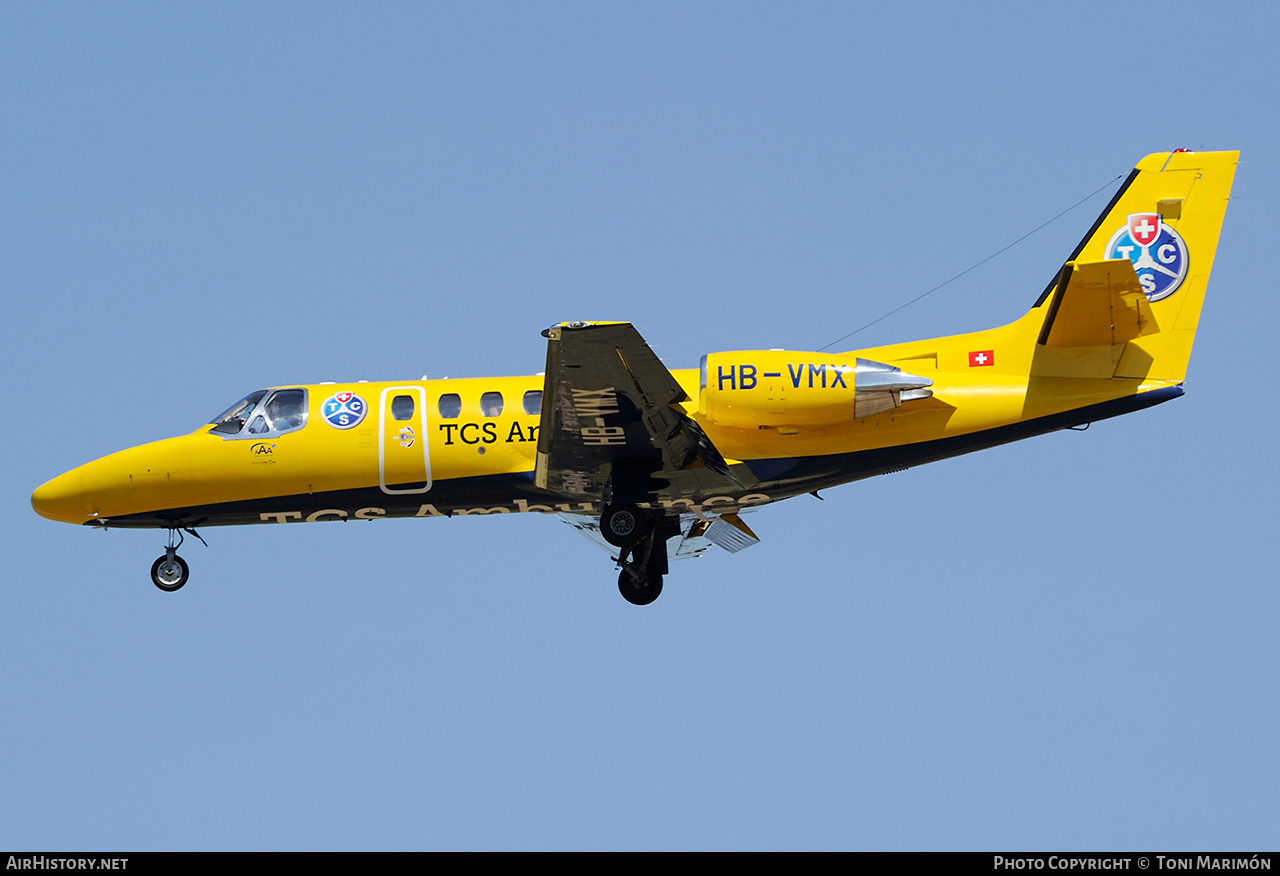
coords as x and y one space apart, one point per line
343 397
979 358
1144 228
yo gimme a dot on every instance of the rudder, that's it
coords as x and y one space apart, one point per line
1165 220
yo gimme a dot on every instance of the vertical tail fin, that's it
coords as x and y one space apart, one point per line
1139 276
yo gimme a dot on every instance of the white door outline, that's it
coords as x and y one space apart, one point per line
421 419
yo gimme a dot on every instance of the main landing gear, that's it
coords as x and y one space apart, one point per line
170 571
643 554
638 584
622 525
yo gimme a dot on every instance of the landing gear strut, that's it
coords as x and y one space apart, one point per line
170 571
645 561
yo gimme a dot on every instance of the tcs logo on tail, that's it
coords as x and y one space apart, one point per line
1158 253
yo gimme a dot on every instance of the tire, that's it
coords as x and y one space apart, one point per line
169 576
642 591
622 525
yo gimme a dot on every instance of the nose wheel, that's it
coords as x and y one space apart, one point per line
170 571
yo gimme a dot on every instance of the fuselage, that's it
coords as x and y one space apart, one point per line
433 448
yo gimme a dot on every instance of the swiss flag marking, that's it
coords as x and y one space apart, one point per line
343 397
979 358
1144 228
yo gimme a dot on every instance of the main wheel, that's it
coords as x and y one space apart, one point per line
169 575
639 591
622 525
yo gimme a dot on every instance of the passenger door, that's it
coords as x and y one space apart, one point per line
404 461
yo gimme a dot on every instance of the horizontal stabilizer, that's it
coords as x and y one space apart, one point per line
1098 304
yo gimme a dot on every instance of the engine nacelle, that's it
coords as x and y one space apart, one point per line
778 388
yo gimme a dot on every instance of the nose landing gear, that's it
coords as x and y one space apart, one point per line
170 571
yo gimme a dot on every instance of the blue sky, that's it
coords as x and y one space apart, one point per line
1067 643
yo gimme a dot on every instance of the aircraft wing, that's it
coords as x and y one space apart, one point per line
612 429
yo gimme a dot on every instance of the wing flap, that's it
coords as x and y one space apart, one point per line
697 534
731 533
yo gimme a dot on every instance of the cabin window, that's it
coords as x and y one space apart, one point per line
450 405
231 421
402 407
532 402
287 409
491 404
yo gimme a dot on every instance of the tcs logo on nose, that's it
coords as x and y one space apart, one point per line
343 410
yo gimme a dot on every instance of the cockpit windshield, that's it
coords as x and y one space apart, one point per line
284 411
231 421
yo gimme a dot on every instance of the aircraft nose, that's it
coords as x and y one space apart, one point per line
62 498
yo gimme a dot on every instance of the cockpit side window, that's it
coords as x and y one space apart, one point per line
231 421
287 409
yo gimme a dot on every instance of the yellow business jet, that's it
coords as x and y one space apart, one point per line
657 464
